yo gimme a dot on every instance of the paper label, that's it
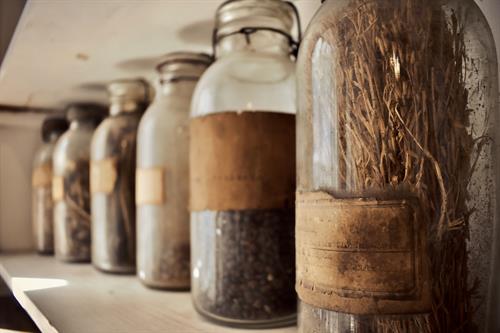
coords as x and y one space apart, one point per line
42 176
57 188
361 256
242 161
103 176
150 186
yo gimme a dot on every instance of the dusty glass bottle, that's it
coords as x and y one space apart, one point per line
43 218
112 178
70 183
162 195
242 168
397 200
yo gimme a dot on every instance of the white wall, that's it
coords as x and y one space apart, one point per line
19 138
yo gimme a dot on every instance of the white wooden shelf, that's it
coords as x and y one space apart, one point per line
76 298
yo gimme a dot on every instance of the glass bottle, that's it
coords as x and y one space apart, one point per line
113 157
163 174
242 168
43 221
70 183
397 199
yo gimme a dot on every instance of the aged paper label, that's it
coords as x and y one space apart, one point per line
361 256
150 186
242 161
57 188
103 176
42 176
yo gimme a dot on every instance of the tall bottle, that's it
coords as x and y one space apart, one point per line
397 200
71 185
162 189
113 158
242 168
43 206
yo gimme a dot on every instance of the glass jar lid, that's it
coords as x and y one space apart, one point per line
85 111
249 16
129 95
53 125
177 66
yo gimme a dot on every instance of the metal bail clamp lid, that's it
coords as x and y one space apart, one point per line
247 31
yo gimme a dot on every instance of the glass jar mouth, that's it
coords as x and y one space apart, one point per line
129 95
249 16
85 111
184 58
183 66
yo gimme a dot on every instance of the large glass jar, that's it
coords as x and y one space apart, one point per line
163 252
113 157
242 169
42 204
71 185
397 197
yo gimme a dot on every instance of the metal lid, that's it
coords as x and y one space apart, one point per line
86 111
276 14
179 66
189 58
249 16
51 125
129 95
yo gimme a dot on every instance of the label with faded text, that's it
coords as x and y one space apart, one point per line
103 176
361 256
42 176
57 188
242 161
150 186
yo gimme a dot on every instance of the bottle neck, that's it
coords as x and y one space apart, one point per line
120 107
177 87
264 42
53 137
83 124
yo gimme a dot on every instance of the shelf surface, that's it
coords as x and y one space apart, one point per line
77 298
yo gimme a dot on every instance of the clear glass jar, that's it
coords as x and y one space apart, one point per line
70 183
43 221
113 157
242 169
163 252
397 196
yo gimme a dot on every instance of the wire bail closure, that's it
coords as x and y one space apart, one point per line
248 31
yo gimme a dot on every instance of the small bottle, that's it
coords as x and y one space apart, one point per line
71 185
242 168
163 175
43 218
113 158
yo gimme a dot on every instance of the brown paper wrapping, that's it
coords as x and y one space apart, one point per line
150 186
242 161
103 176
42 176
361 256
57 188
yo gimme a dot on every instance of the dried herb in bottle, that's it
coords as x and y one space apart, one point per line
43 222
71 185
396 188
113 178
